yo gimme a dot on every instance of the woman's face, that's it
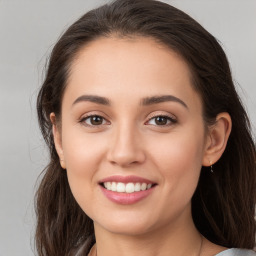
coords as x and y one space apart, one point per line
131 116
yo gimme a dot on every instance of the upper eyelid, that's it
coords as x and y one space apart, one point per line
160 113
93 113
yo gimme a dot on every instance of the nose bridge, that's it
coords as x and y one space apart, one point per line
125 146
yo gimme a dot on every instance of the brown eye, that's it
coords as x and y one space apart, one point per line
161 121
94 120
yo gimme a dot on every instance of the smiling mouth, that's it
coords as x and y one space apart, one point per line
126 190
130 187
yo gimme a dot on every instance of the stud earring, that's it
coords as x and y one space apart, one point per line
211 167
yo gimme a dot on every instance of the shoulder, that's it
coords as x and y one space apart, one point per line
237 252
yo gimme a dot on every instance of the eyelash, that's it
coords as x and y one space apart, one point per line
169 119
89 117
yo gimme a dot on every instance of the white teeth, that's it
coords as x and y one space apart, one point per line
113 187
108 185
143 186
120 187
127 188
137 187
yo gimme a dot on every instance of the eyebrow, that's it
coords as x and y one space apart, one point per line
92 98
159 99
144 102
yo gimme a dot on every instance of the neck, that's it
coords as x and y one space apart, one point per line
179 239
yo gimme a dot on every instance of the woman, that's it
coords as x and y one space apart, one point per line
151 150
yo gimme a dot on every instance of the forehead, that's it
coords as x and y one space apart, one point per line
132 52
129 67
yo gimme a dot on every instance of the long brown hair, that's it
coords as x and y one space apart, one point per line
223 205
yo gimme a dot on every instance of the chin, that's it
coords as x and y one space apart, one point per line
128 230
125 226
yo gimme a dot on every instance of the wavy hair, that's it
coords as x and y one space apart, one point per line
223 205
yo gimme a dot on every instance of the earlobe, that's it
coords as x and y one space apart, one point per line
217 139
57 140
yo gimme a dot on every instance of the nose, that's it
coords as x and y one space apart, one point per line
126 147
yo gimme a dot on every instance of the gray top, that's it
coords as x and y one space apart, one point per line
237 252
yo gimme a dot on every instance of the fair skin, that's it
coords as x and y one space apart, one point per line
164 141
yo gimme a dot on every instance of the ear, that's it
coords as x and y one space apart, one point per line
217 139
57 140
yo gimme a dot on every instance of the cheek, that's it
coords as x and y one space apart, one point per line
180 156
179 161
83 157
82 152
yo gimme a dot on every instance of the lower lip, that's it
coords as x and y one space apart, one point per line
126 198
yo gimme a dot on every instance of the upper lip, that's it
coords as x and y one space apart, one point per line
126 179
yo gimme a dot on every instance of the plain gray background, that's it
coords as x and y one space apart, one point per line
28 30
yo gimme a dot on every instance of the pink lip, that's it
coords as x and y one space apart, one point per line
126 198
126 179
